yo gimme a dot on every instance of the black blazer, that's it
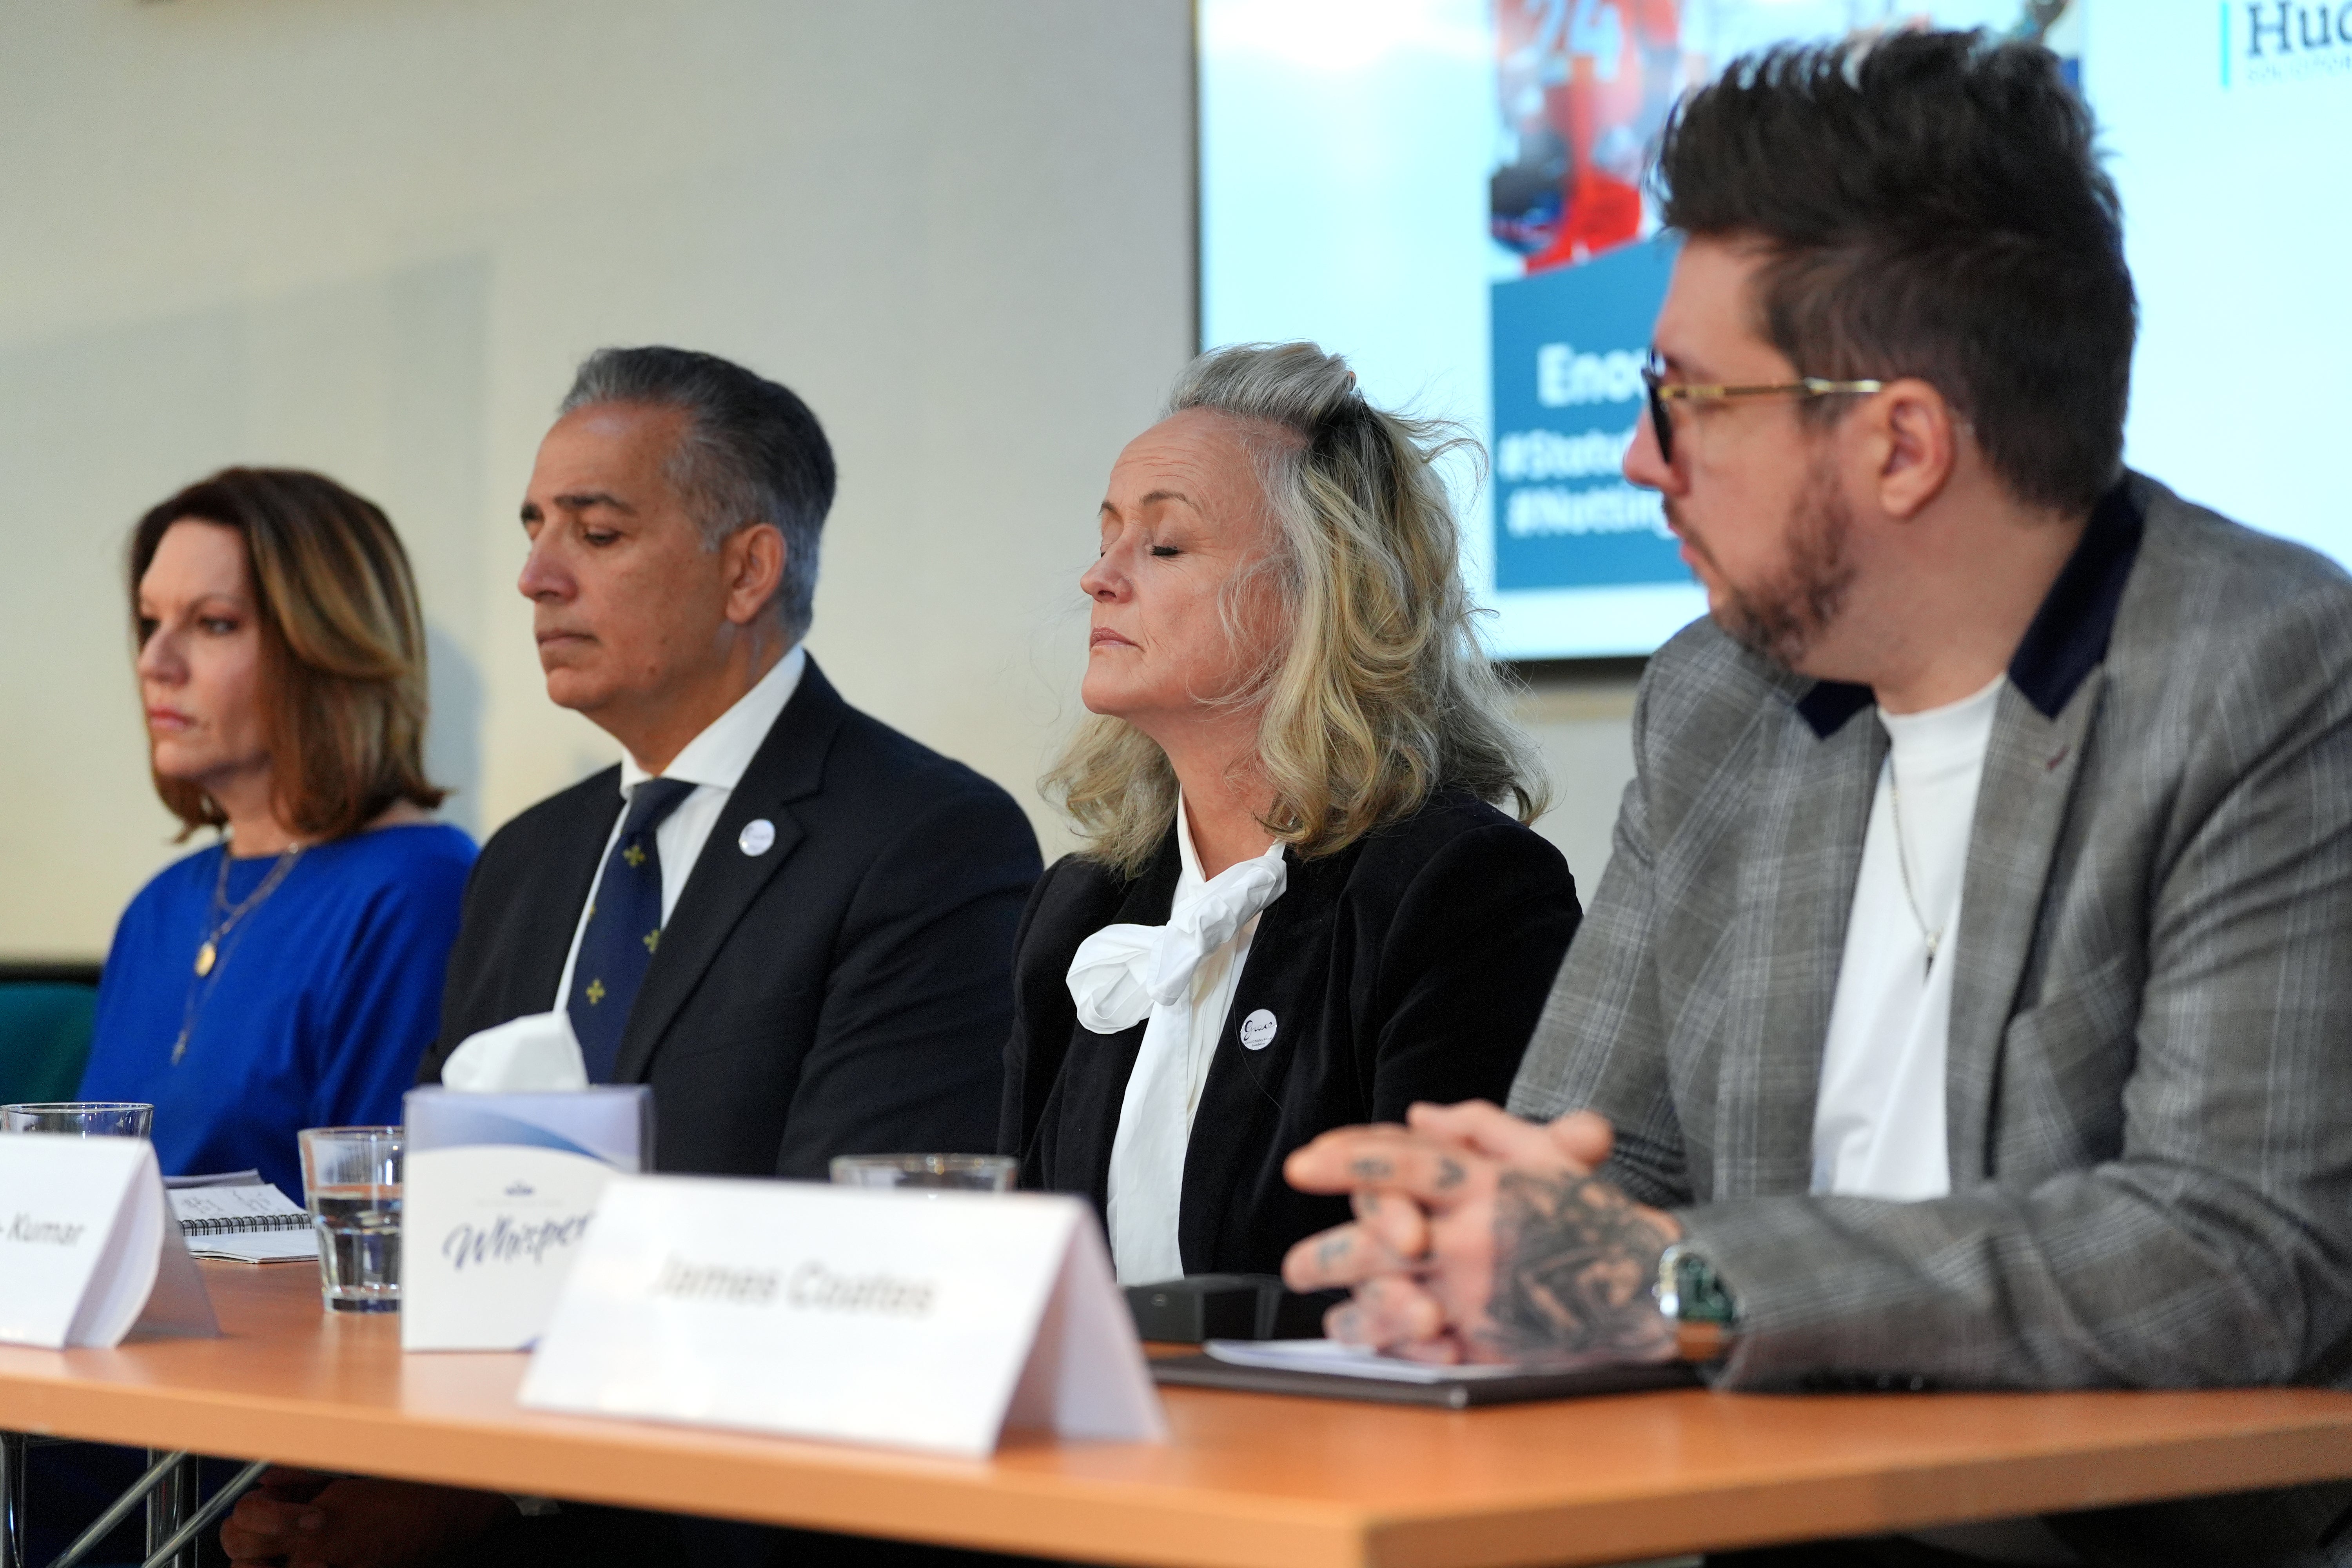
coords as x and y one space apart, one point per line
1408 967
844 993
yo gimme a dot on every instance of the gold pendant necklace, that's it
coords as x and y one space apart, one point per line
208 955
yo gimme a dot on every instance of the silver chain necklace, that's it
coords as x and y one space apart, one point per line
1933 937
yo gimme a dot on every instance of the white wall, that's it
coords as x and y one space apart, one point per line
373 238
1584 728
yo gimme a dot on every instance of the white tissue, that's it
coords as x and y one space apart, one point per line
533 1054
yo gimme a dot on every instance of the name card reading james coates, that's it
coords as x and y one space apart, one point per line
930 1320
89 1249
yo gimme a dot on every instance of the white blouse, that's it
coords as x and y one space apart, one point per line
1181 976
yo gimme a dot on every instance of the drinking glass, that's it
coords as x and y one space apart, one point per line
351 1176
81 1118
966 1172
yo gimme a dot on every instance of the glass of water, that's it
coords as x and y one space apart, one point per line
351 1177
81 1118
966 1172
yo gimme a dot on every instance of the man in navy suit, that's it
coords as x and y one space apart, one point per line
795 923
829 962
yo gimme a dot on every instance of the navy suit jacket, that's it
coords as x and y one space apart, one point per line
845 992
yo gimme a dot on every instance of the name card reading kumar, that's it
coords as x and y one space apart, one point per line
922 1320
89 1250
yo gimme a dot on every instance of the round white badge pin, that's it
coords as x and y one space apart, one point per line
1257 1030
758 835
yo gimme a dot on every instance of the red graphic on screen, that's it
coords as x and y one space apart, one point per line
1585 86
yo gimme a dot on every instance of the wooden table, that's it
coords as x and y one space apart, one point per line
1248 1479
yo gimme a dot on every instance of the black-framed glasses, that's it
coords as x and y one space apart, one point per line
1663 392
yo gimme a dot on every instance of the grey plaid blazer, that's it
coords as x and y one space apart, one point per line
2151 1052
2149 1083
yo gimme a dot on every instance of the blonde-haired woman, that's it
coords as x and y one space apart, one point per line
288 976
1298 908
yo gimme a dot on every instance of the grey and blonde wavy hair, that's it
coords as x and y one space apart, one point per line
1375 691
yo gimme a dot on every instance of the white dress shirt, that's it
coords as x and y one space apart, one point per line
713 762
1878 1123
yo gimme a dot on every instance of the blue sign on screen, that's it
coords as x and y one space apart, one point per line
1568 345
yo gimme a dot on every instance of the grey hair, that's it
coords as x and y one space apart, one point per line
1379 693
753 452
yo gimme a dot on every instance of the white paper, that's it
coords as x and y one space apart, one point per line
178 1306
872 1316
88 1248
1349 1361
128 1261
1087 1330
258 1246
533 1054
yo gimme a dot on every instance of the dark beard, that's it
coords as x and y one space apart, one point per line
1781 619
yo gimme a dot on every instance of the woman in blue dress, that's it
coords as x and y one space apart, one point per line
289 975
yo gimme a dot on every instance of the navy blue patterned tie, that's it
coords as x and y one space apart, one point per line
623 928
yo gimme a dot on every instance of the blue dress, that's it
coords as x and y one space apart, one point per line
323 999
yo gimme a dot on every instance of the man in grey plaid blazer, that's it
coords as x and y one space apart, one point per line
1886 419
2148 1081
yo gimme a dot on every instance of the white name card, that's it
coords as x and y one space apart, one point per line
498 1194
88 1248
930 1320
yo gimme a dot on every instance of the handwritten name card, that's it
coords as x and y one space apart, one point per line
89 1250
933 1320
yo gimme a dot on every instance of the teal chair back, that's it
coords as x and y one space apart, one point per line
45 1030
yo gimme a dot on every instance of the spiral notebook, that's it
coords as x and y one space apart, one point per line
241 1218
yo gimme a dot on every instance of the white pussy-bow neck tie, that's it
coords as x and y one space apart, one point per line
1123 974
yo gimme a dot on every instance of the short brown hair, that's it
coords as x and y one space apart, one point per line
342 647
751 452
1931 205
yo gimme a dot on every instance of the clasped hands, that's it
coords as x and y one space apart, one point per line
1479 1237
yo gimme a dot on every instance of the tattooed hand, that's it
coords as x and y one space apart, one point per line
1479 1237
